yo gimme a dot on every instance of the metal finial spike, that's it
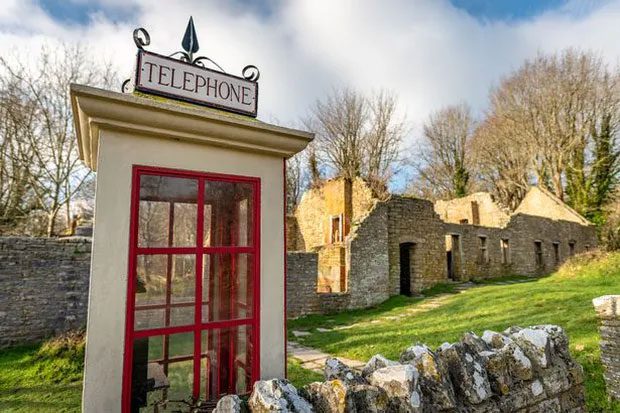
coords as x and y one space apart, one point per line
190 39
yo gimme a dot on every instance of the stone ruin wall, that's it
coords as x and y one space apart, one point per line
367 263
362 201
489 213
301 269
372 253
528 370
309 217
44 287
302 297
414 220
368 260
523 230
539 199
332 268
292 234
521 233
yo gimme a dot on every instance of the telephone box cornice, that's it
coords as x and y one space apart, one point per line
97 109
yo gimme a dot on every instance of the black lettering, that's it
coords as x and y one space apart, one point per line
186 80
161 75
236 92
150 70
198 84
172 83
214 86
246 93
227 90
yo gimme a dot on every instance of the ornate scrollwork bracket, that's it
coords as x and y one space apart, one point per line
190 46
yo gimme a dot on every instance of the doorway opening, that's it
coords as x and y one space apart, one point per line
453 256
406 261
192 327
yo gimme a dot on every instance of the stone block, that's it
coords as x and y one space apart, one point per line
467 373
336 369
277 395
376 362
435 385
401 385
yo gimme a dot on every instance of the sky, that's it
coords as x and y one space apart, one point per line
431 53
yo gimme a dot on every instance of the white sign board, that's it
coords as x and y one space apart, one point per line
164 76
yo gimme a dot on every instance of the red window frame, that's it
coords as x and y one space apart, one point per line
199 251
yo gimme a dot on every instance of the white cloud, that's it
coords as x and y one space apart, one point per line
427 51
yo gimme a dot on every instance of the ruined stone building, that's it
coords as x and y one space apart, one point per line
348 249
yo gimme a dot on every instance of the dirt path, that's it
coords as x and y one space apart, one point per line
314 359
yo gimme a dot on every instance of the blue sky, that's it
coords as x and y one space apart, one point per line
431 53
509 10
78 12
505 10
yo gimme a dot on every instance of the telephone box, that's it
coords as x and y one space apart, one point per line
187 288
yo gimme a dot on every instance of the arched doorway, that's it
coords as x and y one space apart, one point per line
406 265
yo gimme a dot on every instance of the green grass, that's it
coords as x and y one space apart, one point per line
42 378
48 377
439 289
501 279
300 376
563 298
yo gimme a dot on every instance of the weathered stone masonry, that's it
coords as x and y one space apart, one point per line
43 285
457 240
608 311
527 370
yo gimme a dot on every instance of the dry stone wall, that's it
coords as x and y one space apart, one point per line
528 370
608 311
44 287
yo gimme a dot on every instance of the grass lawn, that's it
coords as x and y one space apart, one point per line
48 378
42 378
563 298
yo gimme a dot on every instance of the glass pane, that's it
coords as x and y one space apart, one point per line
227 292
226 362
228 214
167 211
162 372
165 291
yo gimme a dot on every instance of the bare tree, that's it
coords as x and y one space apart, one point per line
295 181
16 153
314 169
444 164
55 172
562 112
503 164
339 123
356 136
383 141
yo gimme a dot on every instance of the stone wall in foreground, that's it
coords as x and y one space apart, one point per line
43 287
527 370
607 309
